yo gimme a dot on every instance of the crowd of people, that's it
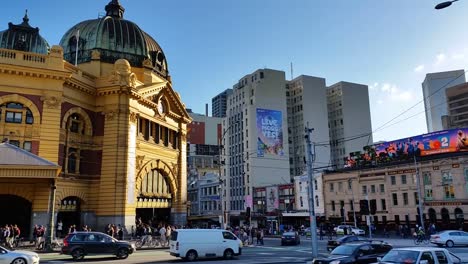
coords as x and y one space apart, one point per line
8 235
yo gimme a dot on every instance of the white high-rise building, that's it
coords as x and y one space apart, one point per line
435 100
349 120
307 104
255 139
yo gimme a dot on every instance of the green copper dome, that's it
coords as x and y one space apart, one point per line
114 38
23 37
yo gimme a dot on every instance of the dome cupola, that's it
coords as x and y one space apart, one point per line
23 37
114 38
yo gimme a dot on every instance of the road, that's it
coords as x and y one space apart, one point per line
270 252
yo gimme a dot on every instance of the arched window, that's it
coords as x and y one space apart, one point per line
14 112
432 215
75 124
73 160
317 201
154 185
445 215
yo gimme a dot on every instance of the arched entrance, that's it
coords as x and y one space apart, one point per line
16 210
445 218
459 217
154 198
432 216
69 212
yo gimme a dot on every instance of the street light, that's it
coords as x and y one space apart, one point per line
221 180
444 4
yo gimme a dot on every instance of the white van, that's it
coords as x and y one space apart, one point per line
190 244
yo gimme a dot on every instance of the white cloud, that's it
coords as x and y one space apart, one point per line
386 87
419 68
380 101
393 93
457 56
440 58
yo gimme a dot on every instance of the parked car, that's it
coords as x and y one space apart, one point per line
290 238
81 244
420 255
355 253
190 244
18 256
354 230
332 244
450 238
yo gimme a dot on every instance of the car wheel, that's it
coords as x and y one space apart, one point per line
449 243
228 254
191 255
122 253
19 261
77 254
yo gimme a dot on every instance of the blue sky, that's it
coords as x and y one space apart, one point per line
210 44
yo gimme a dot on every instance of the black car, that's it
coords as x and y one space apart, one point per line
80 244
332 244
355 253
291 238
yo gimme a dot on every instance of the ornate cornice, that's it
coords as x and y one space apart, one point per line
35 73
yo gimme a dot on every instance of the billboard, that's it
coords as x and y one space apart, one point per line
269 132
272 198
445 141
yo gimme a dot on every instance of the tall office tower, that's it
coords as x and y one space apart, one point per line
219 103
254 139
349 120
457 103
435 101
307 104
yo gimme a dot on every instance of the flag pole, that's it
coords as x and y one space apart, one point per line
77 46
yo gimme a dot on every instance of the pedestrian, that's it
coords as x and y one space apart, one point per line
59 228
321 231
120 232
258 237
168 234
162 233
261 236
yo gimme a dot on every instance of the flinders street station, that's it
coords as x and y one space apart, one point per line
92 130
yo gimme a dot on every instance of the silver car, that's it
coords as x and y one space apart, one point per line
450 238
18 256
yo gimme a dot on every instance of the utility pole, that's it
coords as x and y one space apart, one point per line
369 219
420 203
310 173
350 183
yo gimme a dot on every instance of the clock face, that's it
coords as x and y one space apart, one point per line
161 107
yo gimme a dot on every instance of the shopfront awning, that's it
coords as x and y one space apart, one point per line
19 163
296 214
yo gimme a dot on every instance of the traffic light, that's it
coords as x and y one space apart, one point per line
373 206
363 204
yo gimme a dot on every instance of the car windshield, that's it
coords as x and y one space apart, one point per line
346 250
289 234
401 256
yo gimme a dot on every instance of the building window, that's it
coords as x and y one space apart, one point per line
302 201
14 143
428 193
316 200
405 198
416 198
351 205
13 117
403 179
395 199
315 184
332 187
372 188
364 189
382 188
72 161
427 178
340 186
350 185
27 146
333 206
383 204
393 180
449 191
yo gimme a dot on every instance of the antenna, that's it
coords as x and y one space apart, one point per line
292 71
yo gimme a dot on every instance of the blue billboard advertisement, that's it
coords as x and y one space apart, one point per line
269 132
445 141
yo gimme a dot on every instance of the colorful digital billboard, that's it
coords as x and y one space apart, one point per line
272 202
269 132
446 141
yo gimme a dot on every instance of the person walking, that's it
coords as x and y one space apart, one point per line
59 228
162 233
